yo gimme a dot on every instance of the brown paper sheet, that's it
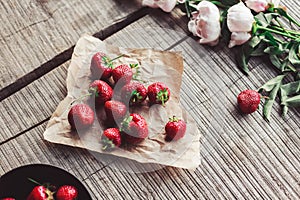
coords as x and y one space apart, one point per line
164 66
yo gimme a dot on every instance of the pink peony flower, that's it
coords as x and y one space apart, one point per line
261 5
206 23
257 5
165 5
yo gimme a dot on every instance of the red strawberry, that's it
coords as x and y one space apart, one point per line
111 138
115 110
66 192
133 93
122 74
134 129
101 66
40 193
158 93
8 198
103 92
175 129
81 116
248 101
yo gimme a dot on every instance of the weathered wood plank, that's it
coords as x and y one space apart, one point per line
244 156
245 152
35 31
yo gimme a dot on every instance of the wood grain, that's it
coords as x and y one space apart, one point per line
33 32
244 157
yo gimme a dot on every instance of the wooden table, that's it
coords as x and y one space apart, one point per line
243 157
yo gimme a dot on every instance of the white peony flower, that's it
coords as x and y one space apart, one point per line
206 23
239 22
239 18
165 5
257 5
238 38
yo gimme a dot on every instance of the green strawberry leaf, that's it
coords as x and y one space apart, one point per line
286 91
294 55
292 101
272 86
268 86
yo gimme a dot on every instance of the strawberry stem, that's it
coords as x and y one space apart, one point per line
162 96
125 123
34 181
173 119
120 56
107 144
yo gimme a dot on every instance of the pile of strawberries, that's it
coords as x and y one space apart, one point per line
116 90
41 192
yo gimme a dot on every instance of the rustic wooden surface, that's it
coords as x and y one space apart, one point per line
243 157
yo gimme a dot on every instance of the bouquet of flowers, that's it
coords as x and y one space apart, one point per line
253 28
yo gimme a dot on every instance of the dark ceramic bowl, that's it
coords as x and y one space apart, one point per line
16 184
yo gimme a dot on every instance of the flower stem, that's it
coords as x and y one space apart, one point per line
286 30
277 32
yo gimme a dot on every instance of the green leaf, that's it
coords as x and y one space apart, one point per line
294 55
265 19
276 62
254 41
268 86
242 59
259 50
292 101
287 90
269 38
273 86
297 76
291 88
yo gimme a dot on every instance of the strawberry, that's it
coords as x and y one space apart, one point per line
248 101
122 74
103 92
133 93
134 128
66 192
40 193
175 129
9 198
158 93
111 138
101 66
115 110
81 116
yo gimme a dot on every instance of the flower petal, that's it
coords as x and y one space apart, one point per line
238 38
207 23
239 18
257 5
165 5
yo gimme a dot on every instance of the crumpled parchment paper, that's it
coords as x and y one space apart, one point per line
164 66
